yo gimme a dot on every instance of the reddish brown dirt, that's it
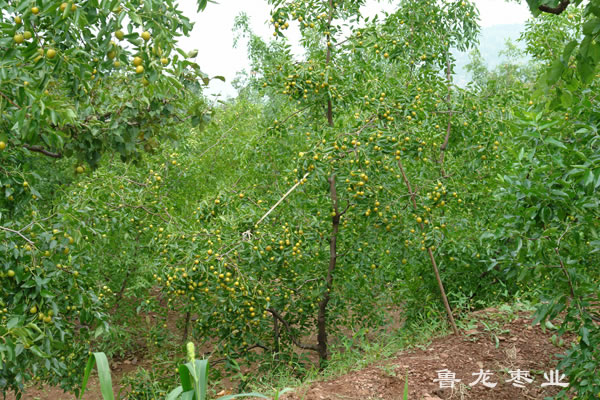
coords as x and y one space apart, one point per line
520 346
119 369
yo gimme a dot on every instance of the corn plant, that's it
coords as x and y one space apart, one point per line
194 381
103 374
193 376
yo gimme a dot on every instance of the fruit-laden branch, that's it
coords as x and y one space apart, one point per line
555 10
38 149
288 328
430 252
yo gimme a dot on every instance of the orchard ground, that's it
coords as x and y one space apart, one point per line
500 340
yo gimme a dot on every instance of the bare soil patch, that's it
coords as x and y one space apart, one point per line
509 347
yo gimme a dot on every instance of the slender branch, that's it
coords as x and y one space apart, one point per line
345 209
362 128
447 112
555 10
38 149
18 233
566 272
294 113
258 346
143 208
430 252
449 127
134 182
9 100
564 269
289 330
328 61
216 143
281 199
304 283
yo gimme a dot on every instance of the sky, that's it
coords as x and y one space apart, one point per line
213 32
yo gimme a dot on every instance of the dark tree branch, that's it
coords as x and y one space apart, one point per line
555 10
258 346
38 149
9 100
289 330
322 342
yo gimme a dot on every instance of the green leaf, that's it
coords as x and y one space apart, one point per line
584 333
594 52
534 7
202 384
555 142
568 51
555 72
103 375
202 5
185 378
12 323
189 395
591 27
135 18
585 70
589 178
86 374
175 393
237 396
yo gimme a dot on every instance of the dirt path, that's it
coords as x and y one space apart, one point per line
505 347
